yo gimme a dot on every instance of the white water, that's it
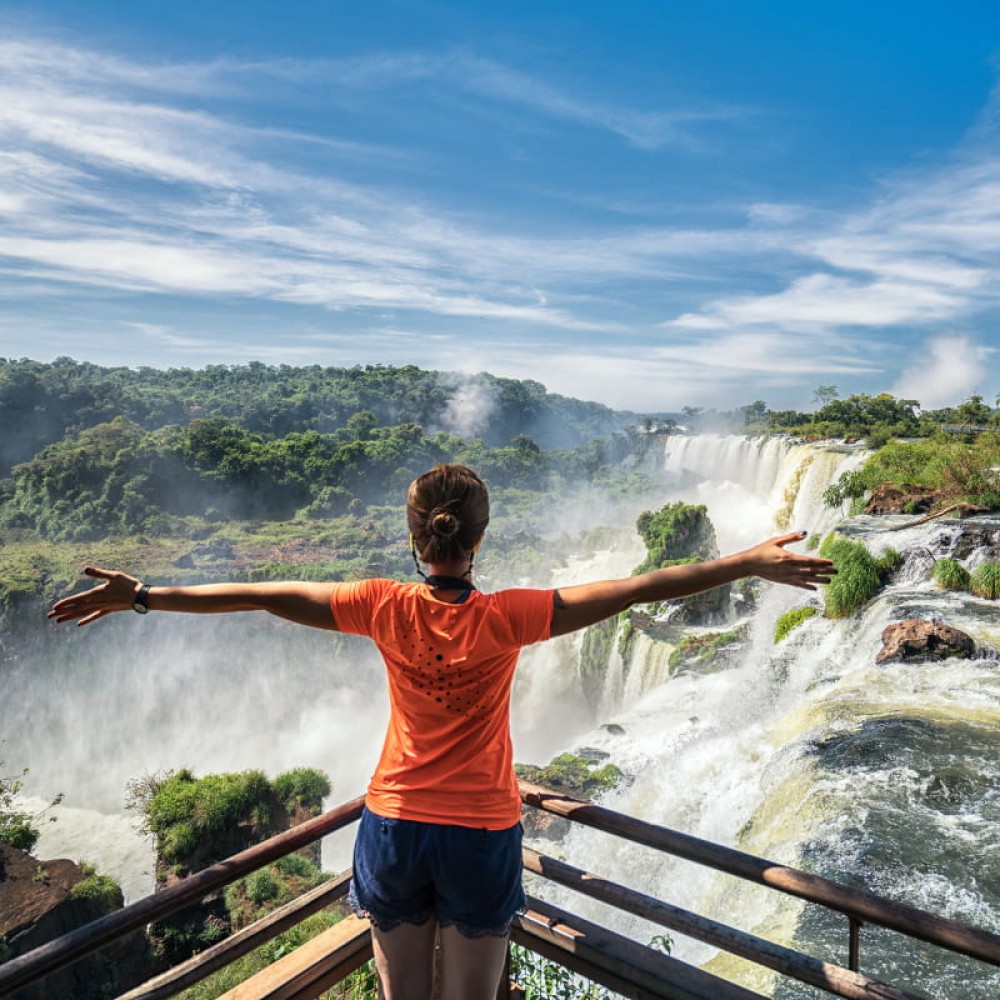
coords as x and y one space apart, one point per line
731 757
728 756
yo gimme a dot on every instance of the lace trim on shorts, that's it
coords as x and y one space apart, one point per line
382 924
465 930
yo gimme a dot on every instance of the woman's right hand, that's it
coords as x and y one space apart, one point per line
116 593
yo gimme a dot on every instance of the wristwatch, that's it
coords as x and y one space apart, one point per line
140 603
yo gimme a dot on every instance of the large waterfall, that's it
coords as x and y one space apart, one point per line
805 752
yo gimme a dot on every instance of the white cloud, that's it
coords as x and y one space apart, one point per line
945 370
828 301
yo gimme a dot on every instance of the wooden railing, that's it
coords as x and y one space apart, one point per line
595 952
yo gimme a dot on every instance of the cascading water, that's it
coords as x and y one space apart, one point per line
811 755
805 752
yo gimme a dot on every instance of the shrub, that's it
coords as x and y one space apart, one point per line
573 773
302 786
181 808
858 578
698 652
262 891
888 561
676 531
791 620
984 581
101 889
950 574
18 828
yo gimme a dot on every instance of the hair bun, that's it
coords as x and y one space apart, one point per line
444 524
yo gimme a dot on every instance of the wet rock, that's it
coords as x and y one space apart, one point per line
38 904
915 639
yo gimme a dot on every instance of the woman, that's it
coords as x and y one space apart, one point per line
438 850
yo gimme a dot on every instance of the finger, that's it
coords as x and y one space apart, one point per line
791 537
98 573
92 617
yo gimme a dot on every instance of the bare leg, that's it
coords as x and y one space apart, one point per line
404 958
470 967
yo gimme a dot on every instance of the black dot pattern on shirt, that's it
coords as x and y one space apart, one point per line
436 678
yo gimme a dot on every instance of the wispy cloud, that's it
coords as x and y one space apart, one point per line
145 178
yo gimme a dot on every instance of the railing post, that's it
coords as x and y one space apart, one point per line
854 944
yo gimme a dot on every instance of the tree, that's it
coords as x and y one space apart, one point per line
824 394
973 411
754 413
17 827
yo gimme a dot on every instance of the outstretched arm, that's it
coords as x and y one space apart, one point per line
583 605
302 602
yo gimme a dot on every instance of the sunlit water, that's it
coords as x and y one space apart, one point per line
806 753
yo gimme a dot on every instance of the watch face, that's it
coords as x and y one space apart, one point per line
139 608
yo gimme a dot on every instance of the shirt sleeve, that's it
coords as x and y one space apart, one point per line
353 605
529 613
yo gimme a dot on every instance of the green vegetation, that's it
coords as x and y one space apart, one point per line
360 985
302 788
888 562
676 533
984 581
858 577
791 620
111 451
572 773
950 574
100 889
701 652
542 979
17 827
181 810
954 469
249 898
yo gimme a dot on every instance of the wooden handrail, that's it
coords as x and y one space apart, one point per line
608 965
199 966
64 950
824 975
615 961
858 903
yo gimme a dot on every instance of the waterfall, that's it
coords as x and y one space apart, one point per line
810 754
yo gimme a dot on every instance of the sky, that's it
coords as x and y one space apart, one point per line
648 204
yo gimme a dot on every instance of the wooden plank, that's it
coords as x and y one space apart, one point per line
313 967
615 961
198 967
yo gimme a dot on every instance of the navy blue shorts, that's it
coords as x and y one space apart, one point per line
408 872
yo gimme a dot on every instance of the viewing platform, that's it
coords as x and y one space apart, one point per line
572 952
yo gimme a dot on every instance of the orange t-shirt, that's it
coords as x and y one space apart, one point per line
447 756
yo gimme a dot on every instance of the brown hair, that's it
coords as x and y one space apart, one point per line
447 510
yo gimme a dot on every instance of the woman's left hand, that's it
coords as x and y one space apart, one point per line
772 561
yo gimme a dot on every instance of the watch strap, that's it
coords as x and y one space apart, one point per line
140 603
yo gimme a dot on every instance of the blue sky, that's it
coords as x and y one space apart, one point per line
648 204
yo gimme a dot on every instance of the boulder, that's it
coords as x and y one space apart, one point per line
915 639
37 905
